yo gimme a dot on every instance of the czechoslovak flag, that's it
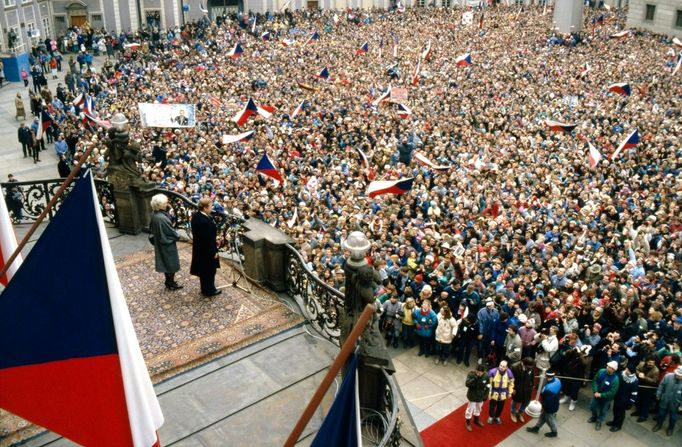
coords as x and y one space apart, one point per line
677 42
252 109
380 187
621 35
594 156
8 243
384 96
630 141
69 357
404 112
620 87
227 139
423 160
559 127
236 51
364 48
266 167
463 60
297 110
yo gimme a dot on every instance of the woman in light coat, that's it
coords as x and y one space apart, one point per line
19 104
446 331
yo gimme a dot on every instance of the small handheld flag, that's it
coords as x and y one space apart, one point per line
298 110
323 74
227 139
584 70
631 141
252 109
364 48
463 60
404 111
313 36
236 51
557 126
265 35
423 160
380 187
677 42
621 87
594 156
415 77
288 42
426 54
266 167
677 66
202 8
384 96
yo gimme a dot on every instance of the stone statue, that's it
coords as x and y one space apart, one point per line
122 157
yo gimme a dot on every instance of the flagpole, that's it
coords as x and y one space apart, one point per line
48 208
340 360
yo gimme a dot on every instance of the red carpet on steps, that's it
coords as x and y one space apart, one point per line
451 430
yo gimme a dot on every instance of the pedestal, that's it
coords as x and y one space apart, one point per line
568 16
128 211
265 254
13 63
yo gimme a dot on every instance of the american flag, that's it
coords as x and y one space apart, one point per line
215 102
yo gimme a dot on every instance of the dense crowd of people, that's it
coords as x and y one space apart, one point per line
516 247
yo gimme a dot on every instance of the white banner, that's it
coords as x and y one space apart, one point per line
167 115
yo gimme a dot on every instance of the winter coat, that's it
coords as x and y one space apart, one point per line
669 392
19 104
487 320
446 330
204 248
549 346
165 237
513 347
651 374
605 384
523 383
477 387
393 313
573 363
501 384
627 391
468 330
550 396
425 323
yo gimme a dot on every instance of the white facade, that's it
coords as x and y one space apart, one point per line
658 16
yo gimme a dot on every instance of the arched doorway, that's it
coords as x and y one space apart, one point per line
77 13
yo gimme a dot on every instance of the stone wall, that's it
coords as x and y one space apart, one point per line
664 20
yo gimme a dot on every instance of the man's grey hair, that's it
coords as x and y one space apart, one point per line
158 202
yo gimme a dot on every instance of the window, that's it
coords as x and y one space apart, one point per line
678 19
650 12
446 3
46 27
10 3
421 3
31 31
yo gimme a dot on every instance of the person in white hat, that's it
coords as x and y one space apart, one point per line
604 386
669 394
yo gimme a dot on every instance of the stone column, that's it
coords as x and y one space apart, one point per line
568 16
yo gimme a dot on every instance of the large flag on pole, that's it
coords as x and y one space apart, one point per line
620 87
252 109
630 141
69 357
266 167
678 65
557 126
8 243
341 426
380 187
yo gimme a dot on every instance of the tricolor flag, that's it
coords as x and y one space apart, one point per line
363 158
323 74
341 426
380 187
291 222
384 96
620 87
252 109
8 242
265 35
266 167
288 42
630 141
45 123
463 60
215 101
415 77
69 357
594 156
364 48
227 139
79 100
132 46
298 110
307 87
621 35
253 27
556 126
404 111
285 5
202 8
313 36
598 21
89 106
423 160
427 51
584 70
400 7
236 51
93 119
677 42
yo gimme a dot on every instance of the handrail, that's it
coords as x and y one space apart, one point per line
392 429
317 280
340 360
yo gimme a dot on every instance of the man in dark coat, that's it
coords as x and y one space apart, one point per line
523 387
165 236
477 392
204 249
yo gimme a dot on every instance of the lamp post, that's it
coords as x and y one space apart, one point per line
534 408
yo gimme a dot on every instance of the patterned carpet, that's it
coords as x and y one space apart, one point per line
182 329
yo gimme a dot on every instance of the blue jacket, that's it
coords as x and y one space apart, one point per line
550 396
425 324
487 322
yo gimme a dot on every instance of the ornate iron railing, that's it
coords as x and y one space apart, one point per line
35 196
321 305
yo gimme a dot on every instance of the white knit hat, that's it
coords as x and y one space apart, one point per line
612 364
